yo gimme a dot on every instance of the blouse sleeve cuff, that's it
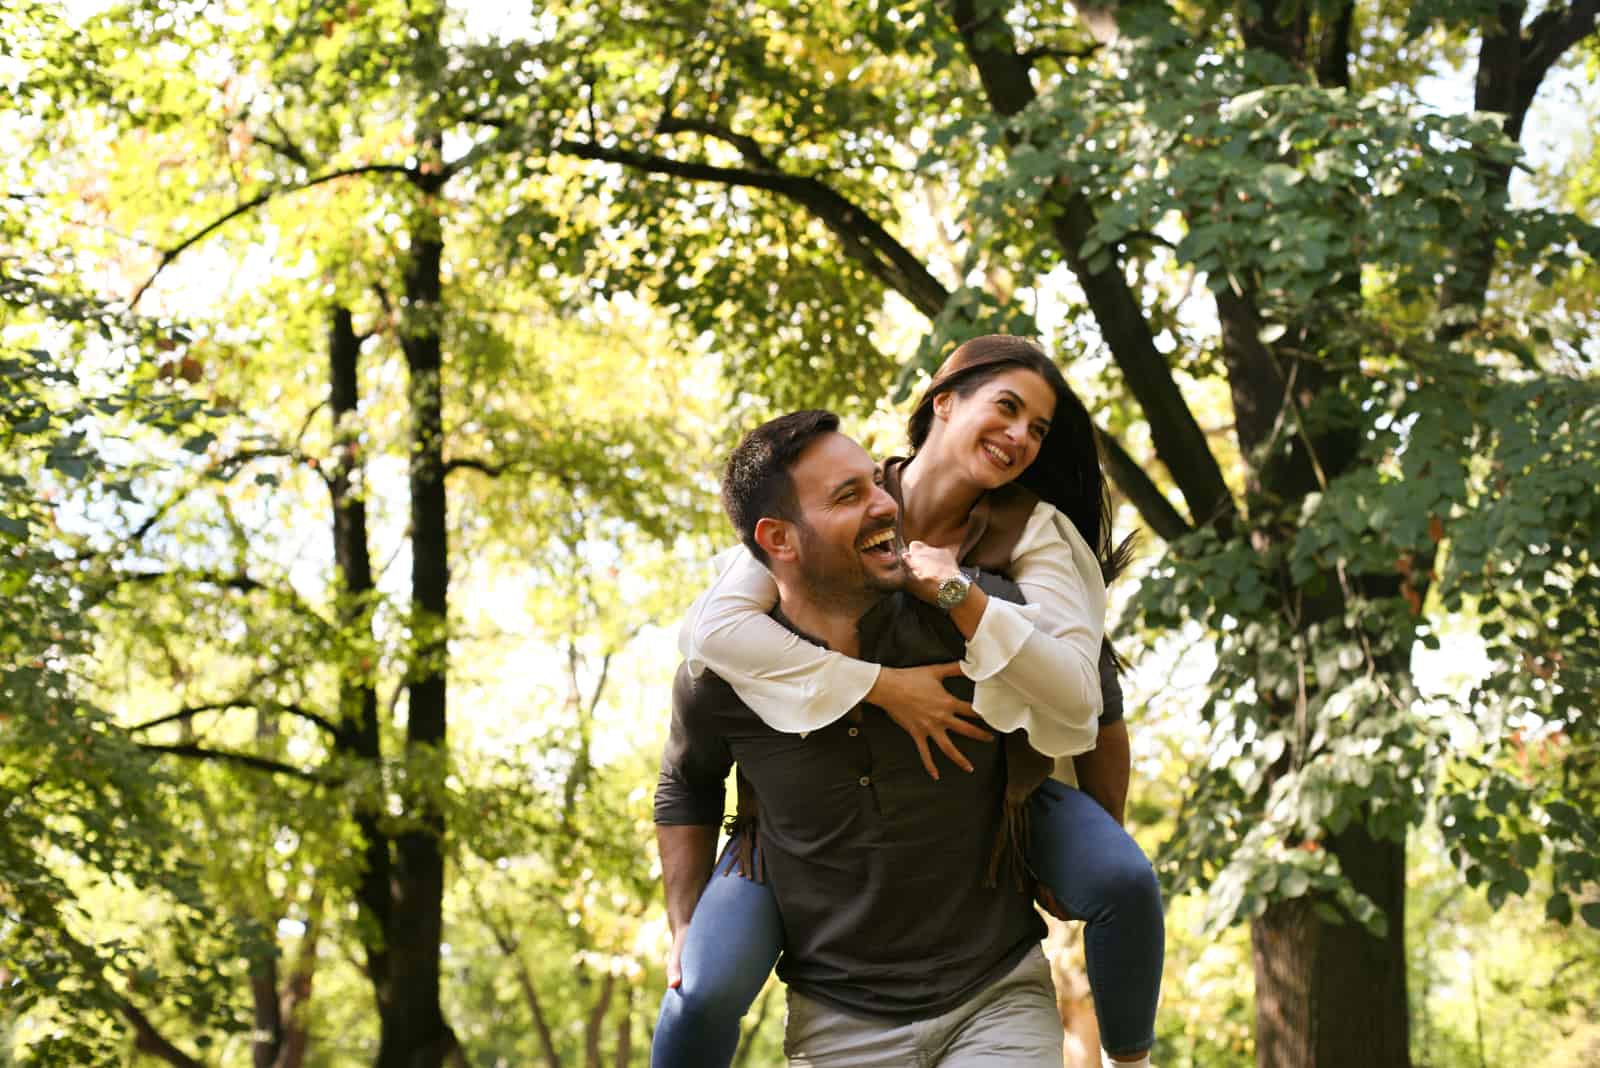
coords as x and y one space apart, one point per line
1001 632
795 709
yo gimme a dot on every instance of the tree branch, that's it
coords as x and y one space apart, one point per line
190 711
530 993
749 148
470 463
149 1040
246 760
1032 55
864 239
250 205
1141 491
217 578
1548 37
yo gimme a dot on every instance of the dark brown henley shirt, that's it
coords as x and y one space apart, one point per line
877 869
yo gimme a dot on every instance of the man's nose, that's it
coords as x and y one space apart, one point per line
883 505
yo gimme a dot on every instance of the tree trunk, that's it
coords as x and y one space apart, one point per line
359 735
594 1027
624 1055
267 1038
296 1034
1332 995
413 1032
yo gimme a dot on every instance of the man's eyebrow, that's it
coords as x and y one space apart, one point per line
843 485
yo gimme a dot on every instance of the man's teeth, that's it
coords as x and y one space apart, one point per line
999 457
882 537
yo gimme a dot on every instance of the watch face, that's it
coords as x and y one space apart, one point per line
953 590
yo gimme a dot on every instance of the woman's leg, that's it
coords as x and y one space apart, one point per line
1100 875
733 941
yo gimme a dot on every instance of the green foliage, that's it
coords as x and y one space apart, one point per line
85 810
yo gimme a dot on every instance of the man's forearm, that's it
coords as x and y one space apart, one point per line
688 853
1103 770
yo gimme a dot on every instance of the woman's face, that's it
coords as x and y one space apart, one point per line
994 432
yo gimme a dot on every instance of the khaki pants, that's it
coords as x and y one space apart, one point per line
1012 1023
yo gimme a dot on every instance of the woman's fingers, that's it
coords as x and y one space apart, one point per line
952 752
969 730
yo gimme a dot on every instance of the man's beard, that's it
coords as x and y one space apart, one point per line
838 578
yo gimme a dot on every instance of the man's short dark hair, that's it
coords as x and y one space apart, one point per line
757 485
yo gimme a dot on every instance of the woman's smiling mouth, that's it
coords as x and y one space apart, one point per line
1000 457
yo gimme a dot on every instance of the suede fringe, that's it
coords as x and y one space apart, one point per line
1010 846
741 829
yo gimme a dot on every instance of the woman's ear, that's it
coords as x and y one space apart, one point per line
942 403
776 538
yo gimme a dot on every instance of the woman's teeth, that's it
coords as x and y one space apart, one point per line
997 456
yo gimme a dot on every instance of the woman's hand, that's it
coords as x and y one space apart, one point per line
916 699
928 566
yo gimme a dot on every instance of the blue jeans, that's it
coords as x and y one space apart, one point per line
1085 858
1098 873
732 943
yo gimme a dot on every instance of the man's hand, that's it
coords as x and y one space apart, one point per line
928 566
688 856
916 699
675 961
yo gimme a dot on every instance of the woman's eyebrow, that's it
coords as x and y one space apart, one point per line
1024 405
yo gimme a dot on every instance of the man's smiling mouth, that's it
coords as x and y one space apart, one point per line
878 543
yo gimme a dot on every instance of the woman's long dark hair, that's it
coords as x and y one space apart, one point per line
1066 473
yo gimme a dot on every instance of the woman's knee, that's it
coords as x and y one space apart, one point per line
1126 881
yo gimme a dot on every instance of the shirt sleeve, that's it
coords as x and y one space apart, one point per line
793 685
696 760
1037 666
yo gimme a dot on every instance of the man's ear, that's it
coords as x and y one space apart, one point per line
776 538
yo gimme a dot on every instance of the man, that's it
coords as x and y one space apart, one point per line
897 949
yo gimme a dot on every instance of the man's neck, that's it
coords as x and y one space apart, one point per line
830 621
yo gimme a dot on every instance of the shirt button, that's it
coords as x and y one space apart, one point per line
865 780
854 731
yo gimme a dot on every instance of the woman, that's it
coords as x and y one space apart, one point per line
1003 474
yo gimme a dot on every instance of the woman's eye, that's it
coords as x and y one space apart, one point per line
1007 404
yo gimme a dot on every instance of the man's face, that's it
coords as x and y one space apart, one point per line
847 549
